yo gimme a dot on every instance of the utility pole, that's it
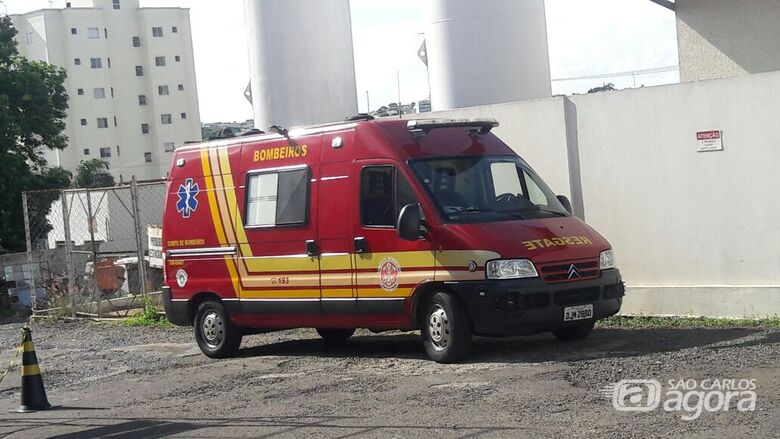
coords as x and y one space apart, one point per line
368 103
398 78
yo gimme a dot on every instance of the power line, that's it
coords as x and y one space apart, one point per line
622 74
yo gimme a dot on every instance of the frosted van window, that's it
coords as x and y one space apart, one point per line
261 203
277 198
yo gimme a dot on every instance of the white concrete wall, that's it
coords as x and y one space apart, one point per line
695 233
53 42
726 38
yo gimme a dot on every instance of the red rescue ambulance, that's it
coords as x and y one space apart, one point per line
434 225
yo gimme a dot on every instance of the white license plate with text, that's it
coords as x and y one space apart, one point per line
579 312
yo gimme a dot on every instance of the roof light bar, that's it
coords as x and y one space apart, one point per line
421 127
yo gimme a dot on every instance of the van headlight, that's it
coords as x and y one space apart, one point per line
511 269
606 260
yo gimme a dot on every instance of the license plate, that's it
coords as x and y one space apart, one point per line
579 312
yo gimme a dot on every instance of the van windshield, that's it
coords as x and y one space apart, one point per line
486 189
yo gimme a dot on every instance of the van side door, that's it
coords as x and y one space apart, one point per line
278 266
387 267
335 224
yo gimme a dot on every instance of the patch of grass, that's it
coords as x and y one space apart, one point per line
148 317
645 322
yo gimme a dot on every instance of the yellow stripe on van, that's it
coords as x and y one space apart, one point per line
215 217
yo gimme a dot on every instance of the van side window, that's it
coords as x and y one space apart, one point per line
383 193
279 198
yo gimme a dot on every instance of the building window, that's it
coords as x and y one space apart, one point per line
100 93
93 33
84 122
77 61
74 31
96 63
148 157
277 198
112 92
159 61
166 119
184 115
169 146
178 58
105 32
162 90
86 151
29 37
102 122
181 87
117 151
116 4
108 59
80 92
144 128
139 70
105 153
141 99
175 29
136 41
157 32
115 124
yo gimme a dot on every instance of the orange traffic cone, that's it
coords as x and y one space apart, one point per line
33 393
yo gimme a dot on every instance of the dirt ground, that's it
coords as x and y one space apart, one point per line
115 381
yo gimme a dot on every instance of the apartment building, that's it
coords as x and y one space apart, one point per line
131 81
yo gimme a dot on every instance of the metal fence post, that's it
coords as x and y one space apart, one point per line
91 225
139 245
28 241
69 267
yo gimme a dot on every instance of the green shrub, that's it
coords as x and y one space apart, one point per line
148 317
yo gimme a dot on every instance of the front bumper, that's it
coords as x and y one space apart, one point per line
527 306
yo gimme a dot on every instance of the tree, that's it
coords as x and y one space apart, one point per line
34 106
94 173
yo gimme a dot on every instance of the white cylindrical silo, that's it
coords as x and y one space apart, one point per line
486 52
301 61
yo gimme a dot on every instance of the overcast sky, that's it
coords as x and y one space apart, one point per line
586 37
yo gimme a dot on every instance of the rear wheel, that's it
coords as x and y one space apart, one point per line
335 336
575 332
446 330
216 336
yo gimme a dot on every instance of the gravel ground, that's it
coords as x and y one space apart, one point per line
117 381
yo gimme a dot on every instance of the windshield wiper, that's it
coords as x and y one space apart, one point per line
471 210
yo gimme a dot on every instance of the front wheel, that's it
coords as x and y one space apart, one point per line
216 336
574 333
446 329
335 336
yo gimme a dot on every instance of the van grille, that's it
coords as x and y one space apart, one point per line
570 271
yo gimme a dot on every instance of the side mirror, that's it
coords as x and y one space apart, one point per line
409 222
565 202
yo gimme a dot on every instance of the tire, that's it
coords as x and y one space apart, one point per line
335 336
446 329
216 336
575 332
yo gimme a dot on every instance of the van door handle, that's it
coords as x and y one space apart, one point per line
361 245
311 248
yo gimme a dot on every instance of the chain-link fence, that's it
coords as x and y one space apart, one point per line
90 252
